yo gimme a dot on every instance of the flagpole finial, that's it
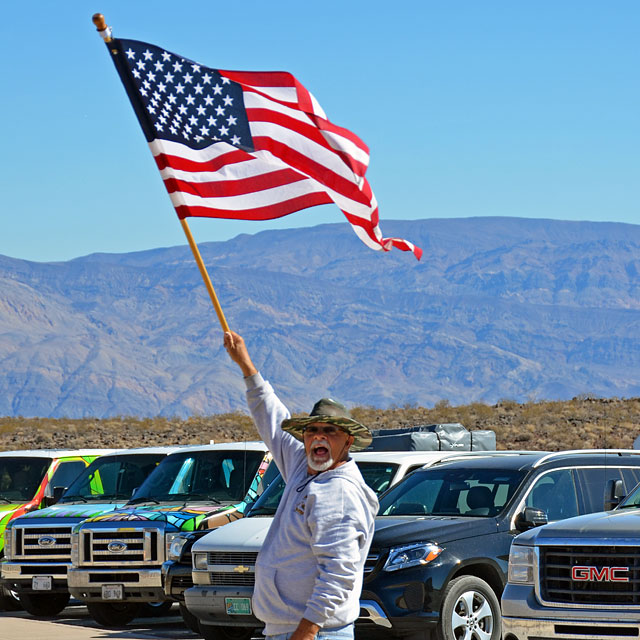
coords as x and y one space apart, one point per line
101 26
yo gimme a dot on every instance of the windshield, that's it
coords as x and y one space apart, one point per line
377 475
451 492
21 477
112 477
215 476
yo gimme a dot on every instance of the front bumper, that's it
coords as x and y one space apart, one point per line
566 629
139 585
18 576
524 618
177 578
209 606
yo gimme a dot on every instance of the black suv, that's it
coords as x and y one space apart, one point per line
439 556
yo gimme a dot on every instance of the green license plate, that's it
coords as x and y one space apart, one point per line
238 606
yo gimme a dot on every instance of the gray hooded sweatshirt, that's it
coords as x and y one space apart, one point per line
310 565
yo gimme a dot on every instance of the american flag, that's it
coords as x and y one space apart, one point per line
246 145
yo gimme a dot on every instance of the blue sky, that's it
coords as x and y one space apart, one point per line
526 109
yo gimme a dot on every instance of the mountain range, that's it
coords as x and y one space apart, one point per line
498 308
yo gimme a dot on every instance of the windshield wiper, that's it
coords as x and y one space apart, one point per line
187 497
6 500
143 499
262 511
70 498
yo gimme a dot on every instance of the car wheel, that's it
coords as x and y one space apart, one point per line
9 600
470 611
189 619
44 605
113 615
210 632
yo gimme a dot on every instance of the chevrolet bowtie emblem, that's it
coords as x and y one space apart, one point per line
241 569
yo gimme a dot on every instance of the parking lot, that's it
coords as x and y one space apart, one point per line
75 624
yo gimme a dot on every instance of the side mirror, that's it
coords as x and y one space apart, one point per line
530 518
57 494
616 494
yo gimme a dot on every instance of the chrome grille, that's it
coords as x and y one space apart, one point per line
231 557
42 543
230 568
557 584
99 547
232 579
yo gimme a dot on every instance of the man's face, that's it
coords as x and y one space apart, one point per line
325 445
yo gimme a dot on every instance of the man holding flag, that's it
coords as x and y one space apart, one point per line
309 570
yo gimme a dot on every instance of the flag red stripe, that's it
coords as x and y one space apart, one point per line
307 130
228 188
261 213
214 164
310 168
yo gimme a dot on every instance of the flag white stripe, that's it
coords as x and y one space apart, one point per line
254 200
254 101
304 146
285 94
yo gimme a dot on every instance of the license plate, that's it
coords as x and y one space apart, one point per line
42 583
238 606
112 592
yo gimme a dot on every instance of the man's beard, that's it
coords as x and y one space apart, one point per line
317 465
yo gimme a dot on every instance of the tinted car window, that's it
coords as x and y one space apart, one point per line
112 477
598 484
66 473
555 493
378 475
453 492
21 477
212 475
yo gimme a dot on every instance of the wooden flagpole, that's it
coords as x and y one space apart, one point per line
105 33
205 275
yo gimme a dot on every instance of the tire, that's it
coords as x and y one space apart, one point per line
43 605
114 615
470 611
209 632
9 600
189 619
156 609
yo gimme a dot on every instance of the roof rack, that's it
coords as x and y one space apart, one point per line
456 455
559 454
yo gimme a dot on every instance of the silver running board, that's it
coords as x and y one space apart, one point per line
371 611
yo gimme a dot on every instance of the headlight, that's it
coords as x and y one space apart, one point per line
168 539
411 555
8 551
175 546
200 561
521 564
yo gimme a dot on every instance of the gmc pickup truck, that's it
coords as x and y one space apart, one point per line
578 579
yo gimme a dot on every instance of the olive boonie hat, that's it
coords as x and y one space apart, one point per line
331 412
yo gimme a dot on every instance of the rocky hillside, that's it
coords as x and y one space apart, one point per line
547 426
498 309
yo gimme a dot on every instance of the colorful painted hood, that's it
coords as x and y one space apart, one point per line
178 518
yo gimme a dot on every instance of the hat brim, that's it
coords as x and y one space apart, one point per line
362 436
